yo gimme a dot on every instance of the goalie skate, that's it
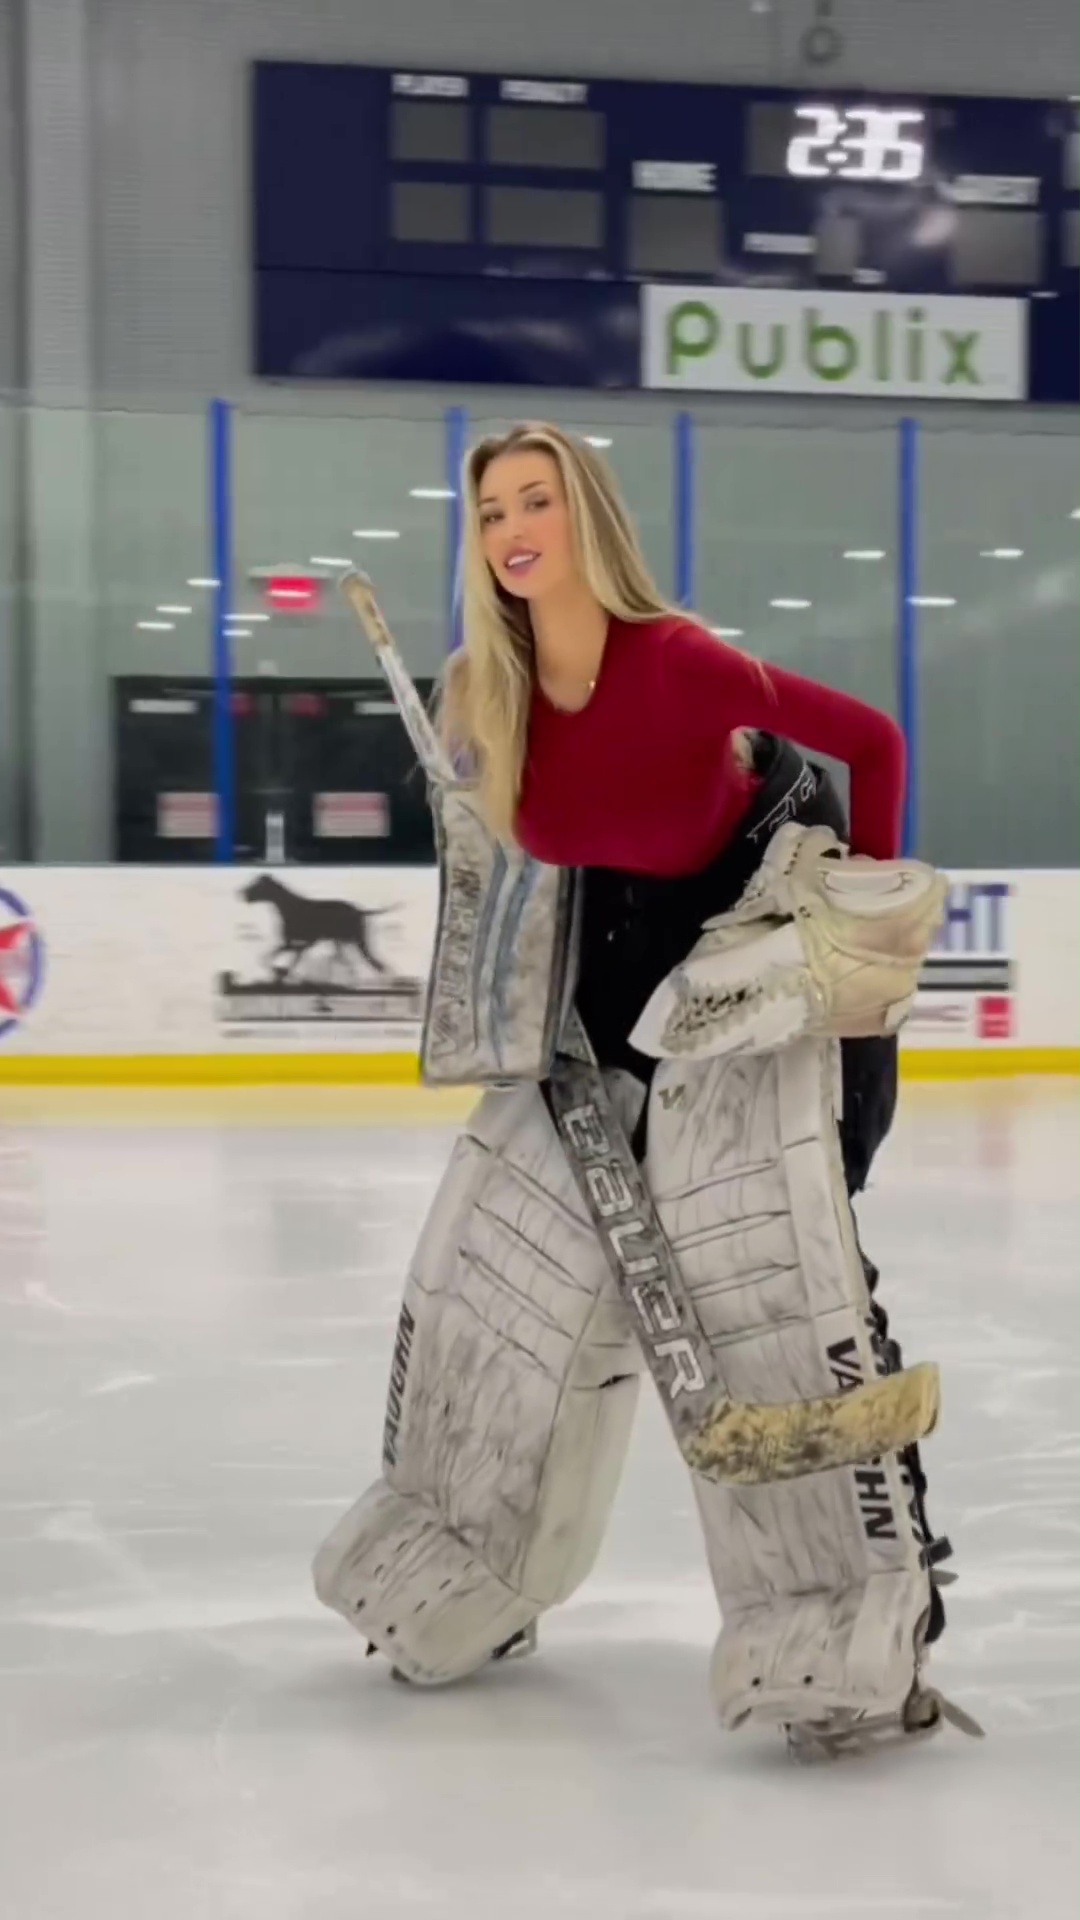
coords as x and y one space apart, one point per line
925 1713
518 1647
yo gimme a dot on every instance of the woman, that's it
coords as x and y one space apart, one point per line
614 733
610 733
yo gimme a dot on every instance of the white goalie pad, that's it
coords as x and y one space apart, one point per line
819 944
822 1590
512 1394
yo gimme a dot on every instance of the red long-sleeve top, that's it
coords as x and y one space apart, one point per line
646 778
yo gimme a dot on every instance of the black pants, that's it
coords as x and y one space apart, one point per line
635 929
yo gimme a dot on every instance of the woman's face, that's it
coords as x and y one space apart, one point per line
525 524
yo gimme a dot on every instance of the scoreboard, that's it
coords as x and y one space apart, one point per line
463 226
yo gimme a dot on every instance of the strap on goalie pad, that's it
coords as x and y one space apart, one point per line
512 1392
505 951
819 944
824 1583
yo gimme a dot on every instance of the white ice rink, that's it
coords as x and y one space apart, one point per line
197 1295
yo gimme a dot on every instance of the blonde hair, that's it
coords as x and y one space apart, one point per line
487 688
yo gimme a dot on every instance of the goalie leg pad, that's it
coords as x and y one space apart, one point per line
512 1395
823 1582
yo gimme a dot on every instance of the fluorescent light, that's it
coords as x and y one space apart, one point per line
174 609
376 533
431 493
864 553
728 633
1075 514
301 594
596 440
252 619
156 626
204 583
791 606
239 633
1001 553
328 560
931 600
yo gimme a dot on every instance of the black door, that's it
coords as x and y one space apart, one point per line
324 773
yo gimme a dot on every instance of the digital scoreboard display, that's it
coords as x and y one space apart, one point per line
493 227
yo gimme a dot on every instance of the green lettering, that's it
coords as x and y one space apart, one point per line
693 330
883 346
744 351
916 341
961 347
831 352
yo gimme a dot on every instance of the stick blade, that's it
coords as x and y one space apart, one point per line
752 1445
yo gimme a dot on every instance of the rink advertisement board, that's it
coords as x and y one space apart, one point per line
233 973
969 991
197 961
762 340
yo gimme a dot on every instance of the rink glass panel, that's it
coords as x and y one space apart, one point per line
997 675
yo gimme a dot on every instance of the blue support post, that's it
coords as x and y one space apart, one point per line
684 509
456 428
224 759
907 626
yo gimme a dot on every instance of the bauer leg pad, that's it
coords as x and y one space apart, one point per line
511 1400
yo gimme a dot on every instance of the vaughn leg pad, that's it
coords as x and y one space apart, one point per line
823 1584
512 1393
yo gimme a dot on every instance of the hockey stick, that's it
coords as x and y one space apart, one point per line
726 1440
430 751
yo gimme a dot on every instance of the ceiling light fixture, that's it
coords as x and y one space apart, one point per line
328 560
431 493
239 633
253 619
791 606
864 553
156 626
168 609
728 633
931 600
596 440
211 584
1001 553
376 533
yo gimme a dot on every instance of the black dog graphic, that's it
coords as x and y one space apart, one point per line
304 924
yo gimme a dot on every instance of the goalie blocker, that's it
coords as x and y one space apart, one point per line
515 1368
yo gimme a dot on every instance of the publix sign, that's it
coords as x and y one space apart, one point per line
754 340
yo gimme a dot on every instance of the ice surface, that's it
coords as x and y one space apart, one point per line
197 1296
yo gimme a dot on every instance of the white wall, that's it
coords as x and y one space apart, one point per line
121 963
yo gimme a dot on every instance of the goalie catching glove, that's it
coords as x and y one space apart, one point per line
820 945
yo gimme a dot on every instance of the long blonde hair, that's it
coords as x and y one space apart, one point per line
487 689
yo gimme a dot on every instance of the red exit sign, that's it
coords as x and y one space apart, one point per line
292 592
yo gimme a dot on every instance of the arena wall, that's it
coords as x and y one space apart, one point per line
127 974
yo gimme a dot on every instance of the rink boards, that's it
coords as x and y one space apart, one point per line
151 974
